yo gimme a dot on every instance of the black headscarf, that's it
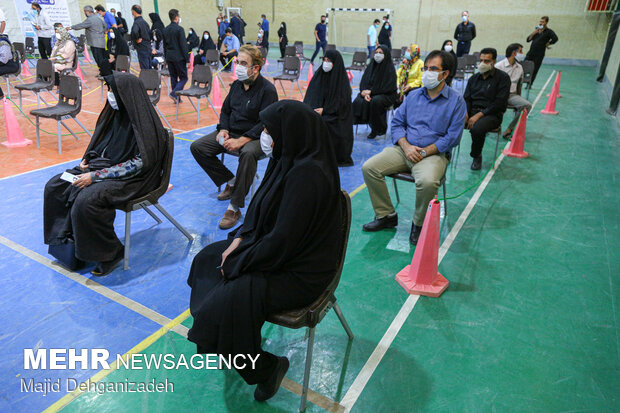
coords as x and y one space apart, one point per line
453 62
384 35
294 219
206 44
330 90
157 27
380 78
192 39
282 31
118 45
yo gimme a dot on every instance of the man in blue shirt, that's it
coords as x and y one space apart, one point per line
221 31
265 26
232 48
425 128
320 32
371 38
108 18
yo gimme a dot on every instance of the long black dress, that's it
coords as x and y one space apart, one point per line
208 44
332 92
384 35
283 39
380 79
87 215
288 253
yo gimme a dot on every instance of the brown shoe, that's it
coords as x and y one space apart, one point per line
226 194
230 219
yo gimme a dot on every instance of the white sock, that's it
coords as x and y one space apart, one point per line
232 182
232 208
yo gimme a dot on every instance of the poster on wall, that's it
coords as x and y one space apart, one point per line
57 10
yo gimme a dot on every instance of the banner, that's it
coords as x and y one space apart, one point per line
57 10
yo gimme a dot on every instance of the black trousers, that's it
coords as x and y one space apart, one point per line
100 56
205 151
537 63
479 131
45 47
462 48
144 58
283 48
225 59
178 75
373 112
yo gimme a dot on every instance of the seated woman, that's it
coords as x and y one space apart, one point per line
63 53
122 162
205 44
377 93
284 255
9 63
192 39
447 47
329 94
409 74
117 45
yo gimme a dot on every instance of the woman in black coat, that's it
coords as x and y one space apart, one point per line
205 44
192 39
283 38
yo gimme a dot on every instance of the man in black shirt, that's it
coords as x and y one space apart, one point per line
486 96
465 32
541 38
141 37
239 131
175 53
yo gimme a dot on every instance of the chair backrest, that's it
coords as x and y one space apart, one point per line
300 43
477 55
212 57
21 48
290 51
345 209
264 51
75 60
291 66
151 80
202 77
70 89
403 50
123 63
461 63
528 71
330 47
29 45
359 59
470 62
45 71
396 55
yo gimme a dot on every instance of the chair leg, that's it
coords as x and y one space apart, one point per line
101 97
304 389
163 117
396 191
198 113
343 321
152 214
213 107
445 200
178 109
127 239
291 89
59 138
300 91
496 146
70 131
174 221
20 99
83 127
37 123
8 87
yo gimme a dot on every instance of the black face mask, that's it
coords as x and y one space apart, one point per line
322 21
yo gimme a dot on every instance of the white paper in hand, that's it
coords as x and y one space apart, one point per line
66 176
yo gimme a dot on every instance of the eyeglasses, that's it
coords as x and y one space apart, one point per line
432 69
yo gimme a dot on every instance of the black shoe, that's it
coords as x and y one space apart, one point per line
388 221
265 391
415 234
507 134
372 135
174 97
477 163
600 79
106 267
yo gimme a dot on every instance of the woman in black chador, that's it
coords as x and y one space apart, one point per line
284 255
329 94
377 92
122 162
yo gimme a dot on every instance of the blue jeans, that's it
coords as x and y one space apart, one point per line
319 45
371 49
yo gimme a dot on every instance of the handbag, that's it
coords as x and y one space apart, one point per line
65 254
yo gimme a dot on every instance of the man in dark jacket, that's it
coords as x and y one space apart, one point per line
465 32
141 37
236 26
175 52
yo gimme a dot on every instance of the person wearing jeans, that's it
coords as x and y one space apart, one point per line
371 38
320 33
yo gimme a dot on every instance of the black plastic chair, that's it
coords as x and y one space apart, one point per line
164 72
44 81
299 49
21 48
359 61
528 72
396 55
152 199
212 59
81 44
200 87
73 68
289 51
313 314
330 47
407 177
30 46
290 72
122 64
151 79
470 63
460 72
68 106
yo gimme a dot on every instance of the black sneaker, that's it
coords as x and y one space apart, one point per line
106 267
415 234
477 163
265 391
388 221
372 135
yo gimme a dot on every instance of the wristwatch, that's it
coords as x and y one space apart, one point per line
423 153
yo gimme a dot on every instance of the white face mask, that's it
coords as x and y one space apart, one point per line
180 23
483 67
112 100
520 57
242 73
206 36
327 66
379 57
464 19
111 35
429 79
58 36
265 143
448 48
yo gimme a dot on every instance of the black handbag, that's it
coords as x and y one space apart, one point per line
65 254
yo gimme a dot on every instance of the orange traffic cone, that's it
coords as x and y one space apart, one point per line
517 142
14 136
422 276
78 71
26 69
217 94
191 63
557 82
234 69
550 106
87 56
309 73
350 75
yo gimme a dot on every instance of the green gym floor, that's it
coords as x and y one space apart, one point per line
528 323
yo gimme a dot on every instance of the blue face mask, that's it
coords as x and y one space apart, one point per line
407 55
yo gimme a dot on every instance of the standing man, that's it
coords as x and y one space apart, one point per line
45 31
95 37
107 17
235 25
265 26
371 37
175 52
385 34
511 65
465 32
232 48
542 37
320 32
141 37
221 31
2 22
486 96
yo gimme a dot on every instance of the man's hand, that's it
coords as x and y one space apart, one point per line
224 53
139 40
83 165
111 59
319 111
223 134
412 153
153 51
233 145
200 51
230 249
472 121
83 180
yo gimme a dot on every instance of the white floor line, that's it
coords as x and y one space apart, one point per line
96 287
373 361
40 169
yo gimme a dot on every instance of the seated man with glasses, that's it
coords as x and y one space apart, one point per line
427 125
238 132
486 96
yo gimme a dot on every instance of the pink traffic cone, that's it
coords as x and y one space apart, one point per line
309 73
422 276
191 63
87 56
556 83
550 106
14 136
350 75
517 142
217 94
78 71
234 69
26 70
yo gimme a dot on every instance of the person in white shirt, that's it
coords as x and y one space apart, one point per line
2 22
371 37
511 65
45 31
